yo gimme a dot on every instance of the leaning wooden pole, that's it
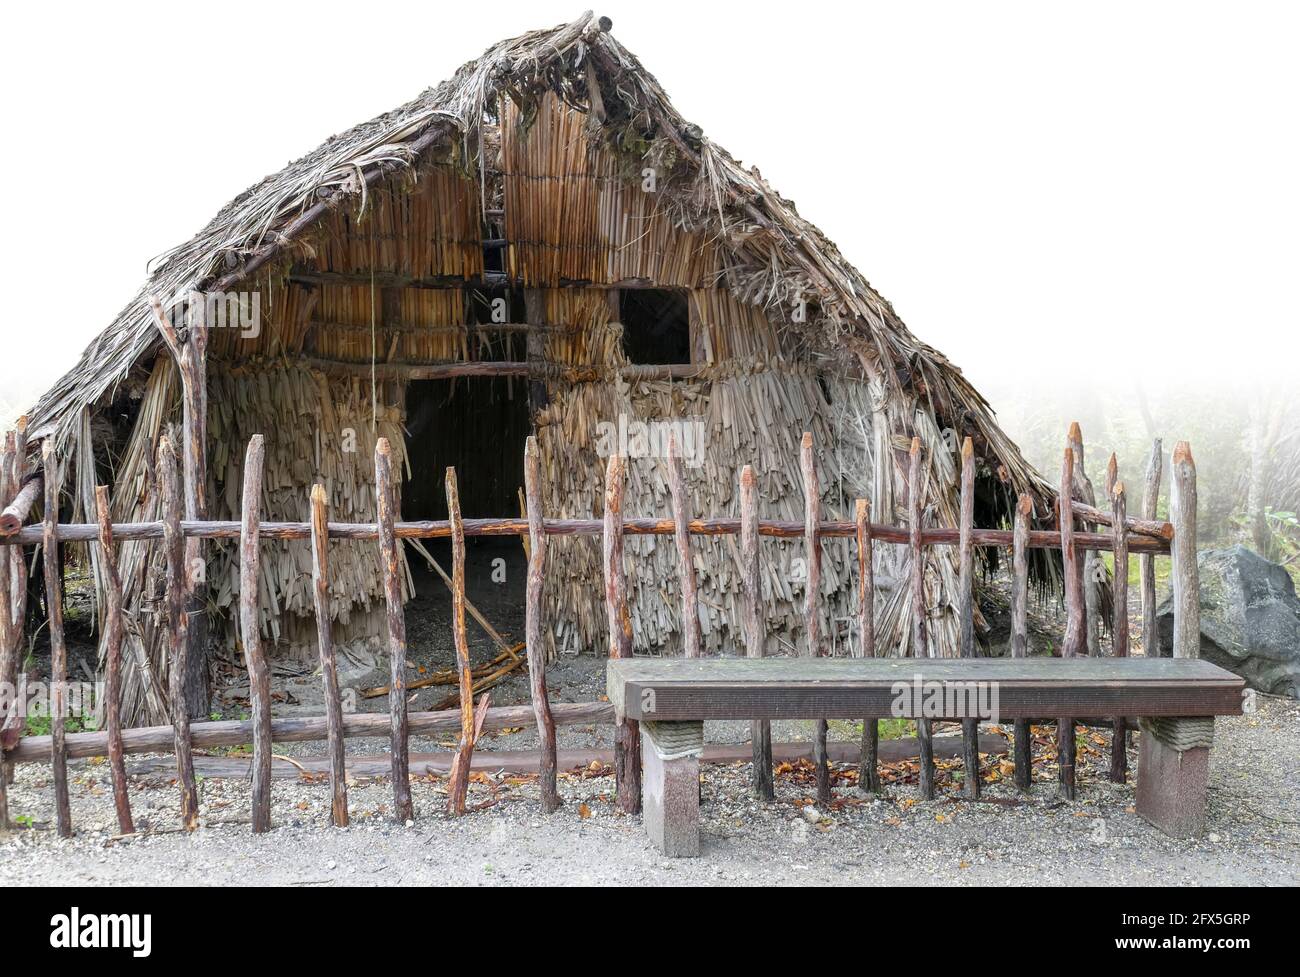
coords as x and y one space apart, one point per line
533 628
1150 500
177 626
1020 631
920 649
627 732
58 647
399 736
320 578
751 582
1119 629
114 628
458 783
1075 617
868 761
1186 576
259 670
682 536
812 613
970 726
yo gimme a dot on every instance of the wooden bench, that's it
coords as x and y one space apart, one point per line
1176 699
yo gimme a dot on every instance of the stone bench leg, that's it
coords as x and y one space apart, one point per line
1173 774
670 787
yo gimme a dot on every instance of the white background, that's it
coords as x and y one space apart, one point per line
1035 187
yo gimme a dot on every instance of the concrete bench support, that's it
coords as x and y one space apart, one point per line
670 799
1173 774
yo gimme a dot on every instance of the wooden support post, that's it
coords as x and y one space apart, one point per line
1186 576
177 627
751 582
1150 499
915 493
868 765
8 647
682 536
536 650
259 671
1119 628
399 735
459 782
58 648
16 594
627 737
535 342
812 601
114 628
1090 566
970 727
1024 758
190 351
1075 617
320 578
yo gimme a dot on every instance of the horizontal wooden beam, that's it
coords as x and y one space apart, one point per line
437 529
1148 527
489 280
231 732
499 368
15 513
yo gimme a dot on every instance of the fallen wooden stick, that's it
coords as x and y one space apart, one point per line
483 684
447 676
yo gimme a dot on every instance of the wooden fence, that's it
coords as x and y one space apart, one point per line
1077 509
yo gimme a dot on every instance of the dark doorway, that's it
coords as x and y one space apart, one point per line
477 425
656 325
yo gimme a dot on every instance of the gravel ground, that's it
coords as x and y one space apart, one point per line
1253 839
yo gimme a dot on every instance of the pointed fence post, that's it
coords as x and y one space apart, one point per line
1150 499
177 632
58 648
682 536
1075 618
1186 577
460 769
259 671
113 631
868 765
399 728
812 601
536 651
1024 744
320 591
627 733
1089 561
1119 628
7 642
970 727
751 582
920 649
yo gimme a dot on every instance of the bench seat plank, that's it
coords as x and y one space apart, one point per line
678 689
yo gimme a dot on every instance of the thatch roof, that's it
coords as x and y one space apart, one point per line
779 255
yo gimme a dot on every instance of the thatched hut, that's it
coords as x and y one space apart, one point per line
541 244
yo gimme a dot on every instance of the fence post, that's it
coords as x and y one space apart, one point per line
682 536
1075 617
58 649
868 765
970 727
1090 560
760 730
399 730
812 596
533 628
1119 626
1187 592
627 733
113 630
460 767
320 577
1150 498
1019 629
259 672
7 644
924 730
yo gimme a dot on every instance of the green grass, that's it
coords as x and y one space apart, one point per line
889 729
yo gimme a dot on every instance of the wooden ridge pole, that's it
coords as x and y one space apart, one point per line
1119 628
1150 499
177 645
1075 617
1186 577
868 765
1019 630
812 601
535 649
458 784
114 628
399 736
259 671
58 647
627 732
328 667
751 582
682 536
970 727
915 491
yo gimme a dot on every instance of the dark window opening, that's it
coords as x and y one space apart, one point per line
656 325
491 307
